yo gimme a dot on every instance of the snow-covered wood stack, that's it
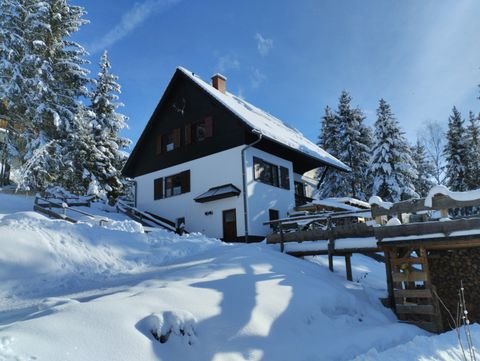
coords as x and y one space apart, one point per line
427 260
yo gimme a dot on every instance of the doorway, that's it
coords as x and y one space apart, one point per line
230 225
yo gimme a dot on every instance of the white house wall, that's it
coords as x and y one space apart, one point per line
262 197
206 172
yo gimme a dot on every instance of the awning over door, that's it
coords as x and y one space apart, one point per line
220 192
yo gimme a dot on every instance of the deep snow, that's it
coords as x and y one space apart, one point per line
84 292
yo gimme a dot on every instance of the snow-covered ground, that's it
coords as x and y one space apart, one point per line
85 292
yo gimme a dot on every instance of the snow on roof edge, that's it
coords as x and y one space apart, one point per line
268 125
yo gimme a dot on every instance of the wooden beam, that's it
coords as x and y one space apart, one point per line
416 205
409 260
355 230
415 309
337 252
409 276
413 293
425 228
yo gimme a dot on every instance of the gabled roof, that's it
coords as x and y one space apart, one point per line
269 126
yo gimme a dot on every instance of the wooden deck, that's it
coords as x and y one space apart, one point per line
324 236
448 224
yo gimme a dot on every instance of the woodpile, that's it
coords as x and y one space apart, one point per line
448 268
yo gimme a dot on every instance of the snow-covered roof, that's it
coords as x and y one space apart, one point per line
344 203
269 126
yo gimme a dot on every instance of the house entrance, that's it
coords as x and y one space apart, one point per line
229 225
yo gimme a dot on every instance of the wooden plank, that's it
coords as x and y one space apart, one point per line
409 261
415 309
414 293
356 230
409 276
416 205
415 229
341 252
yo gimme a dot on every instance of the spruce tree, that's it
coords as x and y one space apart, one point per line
425 170
352 147
473 146
53 81
391 165
13 49
456 153
107 156
329 142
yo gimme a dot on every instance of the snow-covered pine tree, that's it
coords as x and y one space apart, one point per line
54 80
107 157
391 164
456 153
473 146
329 142
353 150
13 49
425 170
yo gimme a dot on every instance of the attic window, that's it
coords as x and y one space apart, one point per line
199 131
168 141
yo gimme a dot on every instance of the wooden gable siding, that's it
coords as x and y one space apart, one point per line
183 104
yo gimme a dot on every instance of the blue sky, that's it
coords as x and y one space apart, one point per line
292 58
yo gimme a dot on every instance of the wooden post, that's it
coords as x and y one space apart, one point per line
331 244
348 266
331 250
282 245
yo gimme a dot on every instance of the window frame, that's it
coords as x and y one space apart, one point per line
172 185
271 174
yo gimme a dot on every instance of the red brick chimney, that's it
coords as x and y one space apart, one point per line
219 82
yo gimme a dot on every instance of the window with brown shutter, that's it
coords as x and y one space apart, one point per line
199 131
208 127
188 134
158 188
176 138
177 184
158 145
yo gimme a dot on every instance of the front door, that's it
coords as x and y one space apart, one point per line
229 225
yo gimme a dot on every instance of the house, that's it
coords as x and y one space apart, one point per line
216 164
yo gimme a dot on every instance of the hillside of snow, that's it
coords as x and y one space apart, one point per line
85 292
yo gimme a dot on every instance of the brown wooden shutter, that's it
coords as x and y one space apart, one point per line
176 138
185 179
188 134
208 127
158 188
158 145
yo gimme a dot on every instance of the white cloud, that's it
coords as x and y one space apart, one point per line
257 78
130 20
264 45
227 62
